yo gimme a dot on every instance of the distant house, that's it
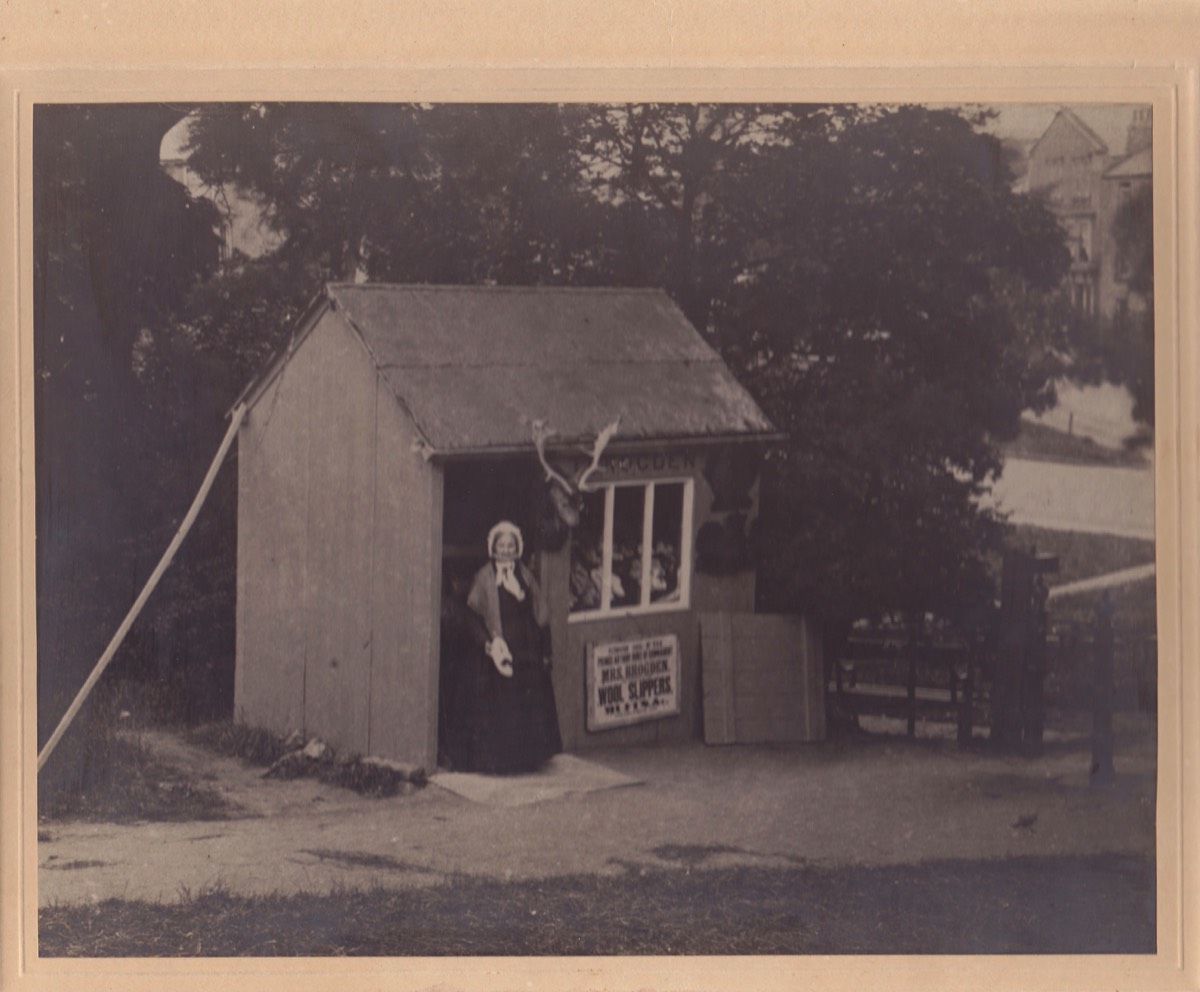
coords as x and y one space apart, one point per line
1084 168
401 422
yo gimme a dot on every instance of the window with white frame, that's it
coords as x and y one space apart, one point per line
630 552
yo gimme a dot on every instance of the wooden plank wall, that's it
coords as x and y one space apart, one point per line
729 593
763 679
406 592
338 575
341 500
272 539
720 711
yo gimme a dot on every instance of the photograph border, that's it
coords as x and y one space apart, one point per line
1168 82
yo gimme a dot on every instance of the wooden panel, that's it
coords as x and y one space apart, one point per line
716 654
406 592
571 639
768 679
272 553
571 680
774 686
341 496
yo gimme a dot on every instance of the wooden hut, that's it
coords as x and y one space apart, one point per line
400 422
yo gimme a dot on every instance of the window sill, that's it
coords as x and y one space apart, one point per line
624 613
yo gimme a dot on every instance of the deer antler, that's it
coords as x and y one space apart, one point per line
602 439
541 433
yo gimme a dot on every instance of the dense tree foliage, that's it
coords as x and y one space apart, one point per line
866 271
117 245
1132 357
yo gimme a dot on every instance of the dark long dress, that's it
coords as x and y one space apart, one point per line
511 724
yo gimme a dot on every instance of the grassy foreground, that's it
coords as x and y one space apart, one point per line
1077 904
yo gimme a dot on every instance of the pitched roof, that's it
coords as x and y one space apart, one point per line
1105 127
1136 165
475 365
1067 118
1108 122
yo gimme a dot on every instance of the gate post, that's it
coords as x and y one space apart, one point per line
1017 711
1033 703
1006 679
1102 771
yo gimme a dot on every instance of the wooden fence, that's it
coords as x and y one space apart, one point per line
1069 658
952 682
941 682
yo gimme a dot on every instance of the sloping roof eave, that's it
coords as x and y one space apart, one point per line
616 446
472 368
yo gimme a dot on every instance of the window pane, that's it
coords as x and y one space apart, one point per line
587 547
668 532
628 510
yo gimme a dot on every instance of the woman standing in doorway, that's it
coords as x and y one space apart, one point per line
513 723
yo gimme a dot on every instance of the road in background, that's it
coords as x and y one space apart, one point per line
1093 499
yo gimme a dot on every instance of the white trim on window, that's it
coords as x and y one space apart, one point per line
684 575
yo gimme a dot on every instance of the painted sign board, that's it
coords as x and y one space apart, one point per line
632 681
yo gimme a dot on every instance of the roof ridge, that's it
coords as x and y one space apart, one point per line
1127 159
1086 128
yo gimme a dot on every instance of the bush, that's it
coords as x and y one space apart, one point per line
238 740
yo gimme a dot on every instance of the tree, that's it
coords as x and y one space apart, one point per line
871 275
1132 357
116 245
866 271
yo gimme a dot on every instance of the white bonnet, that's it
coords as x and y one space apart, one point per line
505 527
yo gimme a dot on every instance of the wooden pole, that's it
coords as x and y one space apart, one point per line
73 710
1102 694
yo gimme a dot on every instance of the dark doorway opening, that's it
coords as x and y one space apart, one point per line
476 494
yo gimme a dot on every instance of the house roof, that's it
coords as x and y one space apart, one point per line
1068 118
1103 127
474 366
1138 164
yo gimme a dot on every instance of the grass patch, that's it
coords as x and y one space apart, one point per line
1084 556
125 782
238 740
1076 904
56 865
361 859
281 756
369 779
120 779
693 855
1037 442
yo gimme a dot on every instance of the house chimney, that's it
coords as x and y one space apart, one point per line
1139 135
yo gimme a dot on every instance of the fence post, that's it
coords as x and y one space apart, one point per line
966 701
911 687
1102 771
1033 701
1009 667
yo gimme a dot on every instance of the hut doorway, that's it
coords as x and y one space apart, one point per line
476 494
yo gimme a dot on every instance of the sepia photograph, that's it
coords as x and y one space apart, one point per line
569 529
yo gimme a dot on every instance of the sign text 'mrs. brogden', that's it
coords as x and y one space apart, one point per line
631 681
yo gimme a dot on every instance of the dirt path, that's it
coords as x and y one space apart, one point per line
866 802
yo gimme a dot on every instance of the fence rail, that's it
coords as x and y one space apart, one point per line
953 682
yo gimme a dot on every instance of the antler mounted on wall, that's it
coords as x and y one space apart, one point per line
564 491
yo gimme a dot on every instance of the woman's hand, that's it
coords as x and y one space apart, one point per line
497 650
